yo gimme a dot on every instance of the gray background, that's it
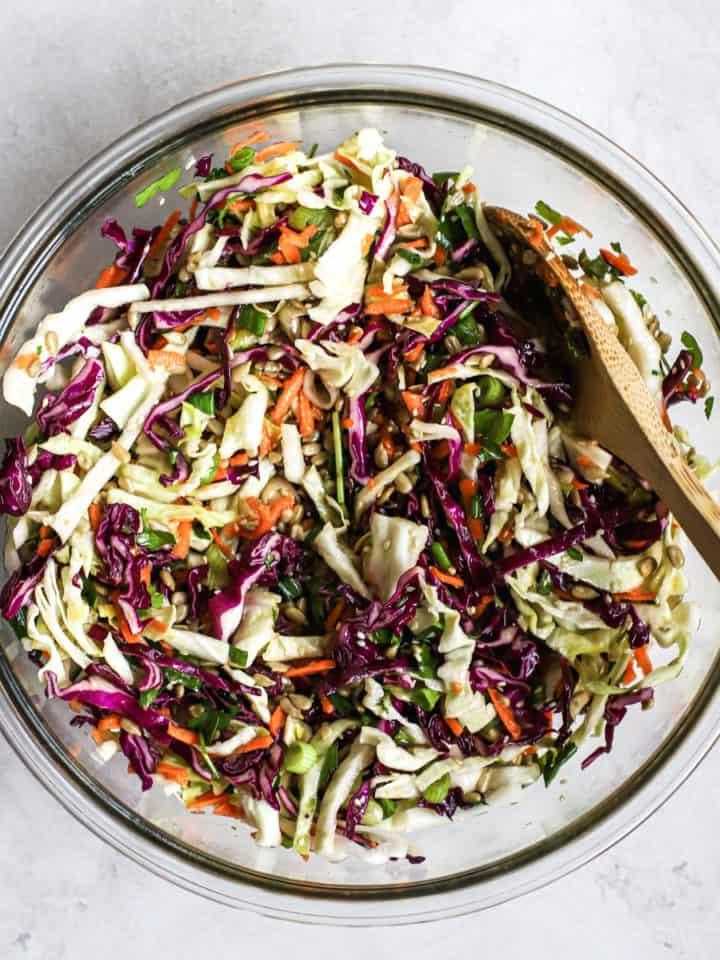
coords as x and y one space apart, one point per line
75 76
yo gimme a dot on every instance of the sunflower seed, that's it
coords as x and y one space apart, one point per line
119 451
581 592
51 342
168 579
647 566
403 483
676 556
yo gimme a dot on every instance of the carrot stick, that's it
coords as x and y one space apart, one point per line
182 540
182 734
629 675
257 137
637 595
277 721
427 303
326 706
643 660
227 809
171 772
334 615
454 726
111 722
163 233
315 666
619 261
388 305
505 713
414 403
418 244
167 359
446 577
277 150
44 547
239 460
95 513
111 276
415 353
259 743
305 418
290 391
208 799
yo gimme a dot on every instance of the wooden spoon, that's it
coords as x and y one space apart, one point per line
612 403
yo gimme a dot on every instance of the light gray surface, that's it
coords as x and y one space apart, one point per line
77 77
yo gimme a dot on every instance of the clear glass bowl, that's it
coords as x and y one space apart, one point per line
522 150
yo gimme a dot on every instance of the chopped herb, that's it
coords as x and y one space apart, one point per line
597 267
574 553
343 705
426 660
638 298
290 588
429 633
204 402
424 697
89 593
467 219
709 404
442 177
162 184
547 213
450 232
615 245
402 737
565 239
411 256
493 425
19 623
312 151
544 583
208 478
147 697
689 341
154 539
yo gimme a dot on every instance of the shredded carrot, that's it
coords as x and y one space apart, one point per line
415 353
371 483
414 403
158 626
590 291
619 261
457 686
444 392
347 423
257 137
267 516
165 231
24 361
290 242
239 460
271 382
171 772
355 335
504 711
259 743
402 217
637 595
585 461
222 546
208 799
167 359
482 605
418 244
306 421
388 305
536 237
182 734
469 188
145 572
346 161
643 660
578 484
629 675
446 577
290 391
111 722
277 150
128 635
509 449
568 226
427 303
412 188
367 242
241 205
111 276
267 441
454 726
440 257
220 474
227 809
334 615
277 721
442 373
98 736
182 539
327 707
193 208
315 666
44 547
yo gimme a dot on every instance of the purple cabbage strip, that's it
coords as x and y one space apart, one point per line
367 202
463 250
143 756
673 380
357 440
356 808
432 191
389 231
181 471
615 710
103 430
133 251
58 412
15 479
19 589
344 316
203 165
104 696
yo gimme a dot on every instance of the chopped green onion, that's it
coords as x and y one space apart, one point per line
312 533
238 657
210 475
300 757
424 697
19 623
402 737
709 403
574 553
429 633
154 539
476 507
173 676
89 593
442 176
544 583
638 298
553 760
438 790
467 330
388 807
252 319
162 184
547 213
338 450
290 588
329 765
565 239
243 158
467 219
383 636
426 659
449 233
597 267
146 697
343 705
312 151
411 256
440 555
205 403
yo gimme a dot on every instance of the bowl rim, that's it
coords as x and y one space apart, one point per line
36 242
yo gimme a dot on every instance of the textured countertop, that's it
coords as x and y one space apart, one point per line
75 78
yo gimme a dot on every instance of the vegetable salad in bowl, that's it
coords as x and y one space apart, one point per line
302 527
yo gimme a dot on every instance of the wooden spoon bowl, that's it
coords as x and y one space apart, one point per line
612 404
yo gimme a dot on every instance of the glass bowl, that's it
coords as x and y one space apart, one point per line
522 151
